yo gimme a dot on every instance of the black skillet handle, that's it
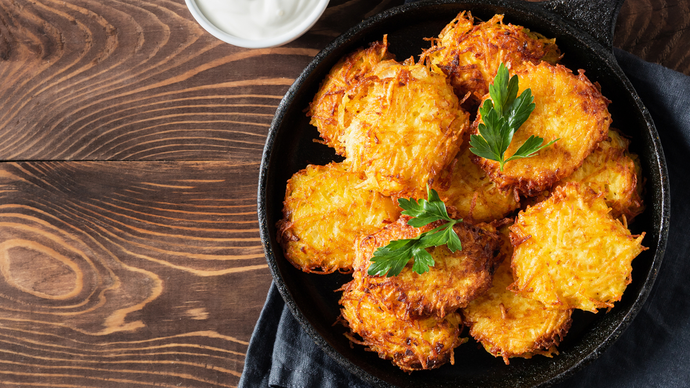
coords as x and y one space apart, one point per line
596 17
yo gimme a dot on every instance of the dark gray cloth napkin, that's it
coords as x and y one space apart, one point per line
653 352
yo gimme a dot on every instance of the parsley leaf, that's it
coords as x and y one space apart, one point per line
391 259
502 114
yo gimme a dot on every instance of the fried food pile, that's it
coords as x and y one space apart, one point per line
541 237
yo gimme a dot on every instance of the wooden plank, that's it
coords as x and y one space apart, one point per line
657 31
141 80
128 273
122 80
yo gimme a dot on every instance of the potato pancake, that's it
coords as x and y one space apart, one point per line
324 212
470 53
411 344
612 170
466 187
455 279
568 107
569 252
406 125
509 325
346 74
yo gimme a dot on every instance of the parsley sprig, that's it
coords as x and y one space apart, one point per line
391 259
503 114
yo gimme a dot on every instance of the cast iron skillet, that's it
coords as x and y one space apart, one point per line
584 32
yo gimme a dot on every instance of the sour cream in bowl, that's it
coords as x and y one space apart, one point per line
256 23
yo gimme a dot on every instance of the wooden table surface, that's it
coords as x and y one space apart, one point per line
130 142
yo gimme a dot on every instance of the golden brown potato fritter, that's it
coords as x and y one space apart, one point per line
509 325
569 252
568 107
470 53
405 127
466 187
346 74
455 279
612 170
324 212
411 344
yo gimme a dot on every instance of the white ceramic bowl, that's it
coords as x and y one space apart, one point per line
278 39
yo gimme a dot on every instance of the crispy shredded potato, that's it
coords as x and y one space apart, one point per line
470 53
569 252
346 74
403 127
477 198
509 325
568 107
324 212
612 170
406 126
455 279
411 344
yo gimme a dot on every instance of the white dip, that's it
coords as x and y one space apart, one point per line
256 19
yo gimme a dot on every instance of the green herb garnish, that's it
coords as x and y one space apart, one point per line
503 114
391 259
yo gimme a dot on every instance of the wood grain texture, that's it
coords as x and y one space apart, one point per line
131 80
657 31
140 80
130 142
124 272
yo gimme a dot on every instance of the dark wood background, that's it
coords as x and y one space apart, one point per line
130 142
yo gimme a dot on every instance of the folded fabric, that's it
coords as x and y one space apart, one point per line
653 352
